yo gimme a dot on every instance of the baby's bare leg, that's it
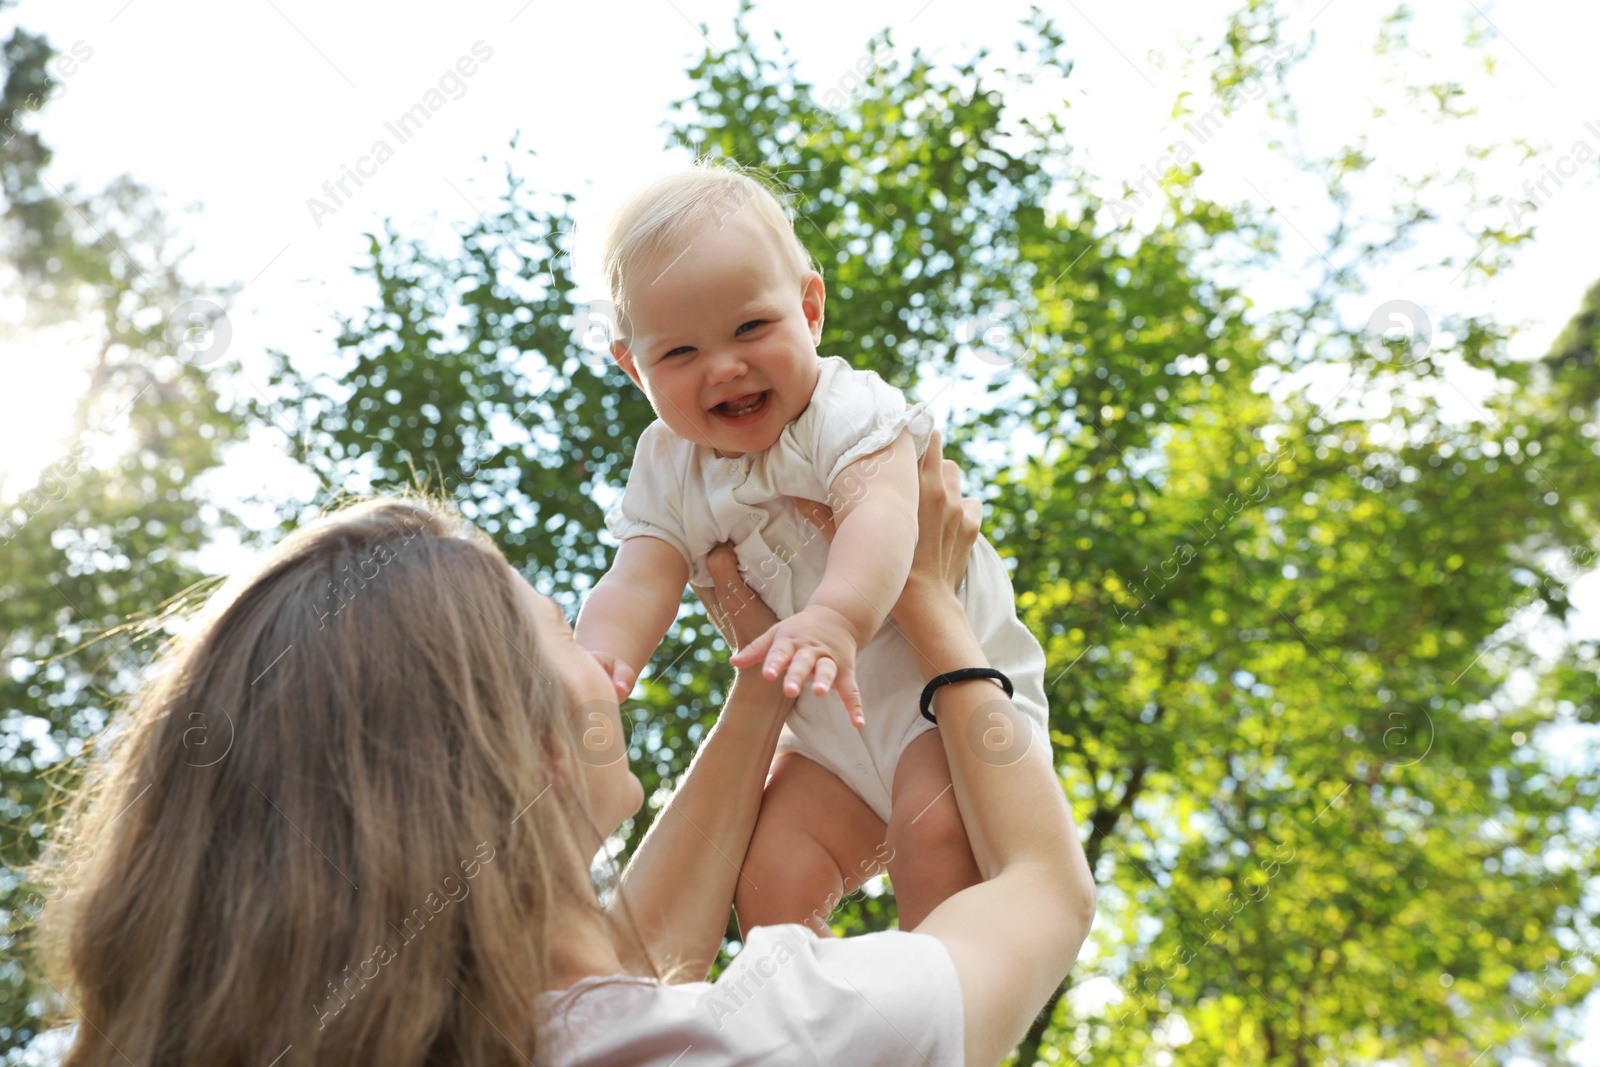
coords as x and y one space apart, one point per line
814 843
931 857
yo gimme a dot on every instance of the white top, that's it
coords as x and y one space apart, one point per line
685 494
890 998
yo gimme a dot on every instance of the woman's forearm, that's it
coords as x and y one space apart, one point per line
679 884
1010 801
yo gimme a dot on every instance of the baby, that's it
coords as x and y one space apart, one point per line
719 311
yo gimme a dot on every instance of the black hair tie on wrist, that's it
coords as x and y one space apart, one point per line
959 676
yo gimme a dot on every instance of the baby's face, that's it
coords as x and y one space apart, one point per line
717 325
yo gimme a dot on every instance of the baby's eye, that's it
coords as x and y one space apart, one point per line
752 322
675 351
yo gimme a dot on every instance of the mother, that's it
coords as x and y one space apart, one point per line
351 821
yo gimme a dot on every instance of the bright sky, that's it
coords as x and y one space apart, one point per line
249 108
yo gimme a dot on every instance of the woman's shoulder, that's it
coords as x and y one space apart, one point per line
888 997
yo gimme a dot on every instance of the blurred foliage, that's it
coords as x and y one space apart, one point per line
93 552
1292 698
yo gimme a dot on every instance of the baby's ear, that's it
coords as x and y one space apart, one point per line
813 301
624 358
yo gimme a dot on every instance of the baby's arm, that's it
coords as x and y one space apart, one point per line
625 616
874 502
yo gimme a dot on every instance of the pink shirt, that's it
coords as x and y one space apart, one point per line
789 997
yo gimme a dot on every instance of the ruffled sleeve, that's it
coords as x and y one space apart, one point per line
651 502
852 414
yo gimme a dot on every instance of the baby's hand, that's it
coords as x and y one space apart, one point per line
816 637
622 676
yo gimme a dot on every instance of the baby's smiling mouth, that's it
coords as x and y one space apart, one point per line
739 406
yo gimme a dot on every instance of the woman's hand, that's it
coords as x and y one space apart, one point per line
737 612
947 528
679 884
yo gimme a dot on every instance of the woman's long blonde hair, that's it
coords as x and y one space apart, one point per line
332 828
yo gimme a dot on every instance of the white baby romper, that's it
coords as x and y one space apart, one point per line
686 495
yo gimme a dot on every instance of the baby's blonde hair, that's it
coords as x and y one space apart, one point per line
660 217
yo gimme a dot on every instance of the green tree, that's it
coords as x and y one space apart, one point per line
92 553
1279 633
40 255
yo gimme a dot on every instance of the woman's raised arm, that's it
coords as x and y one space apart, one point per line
1015 935
679 884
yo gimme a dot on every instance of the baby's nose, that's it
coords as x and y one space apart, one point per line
726 367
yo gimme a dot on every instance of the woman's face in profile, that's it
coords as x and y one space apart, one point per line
614 792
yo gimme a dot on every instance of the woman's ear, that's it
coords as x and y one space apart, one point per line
555 762
813 298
